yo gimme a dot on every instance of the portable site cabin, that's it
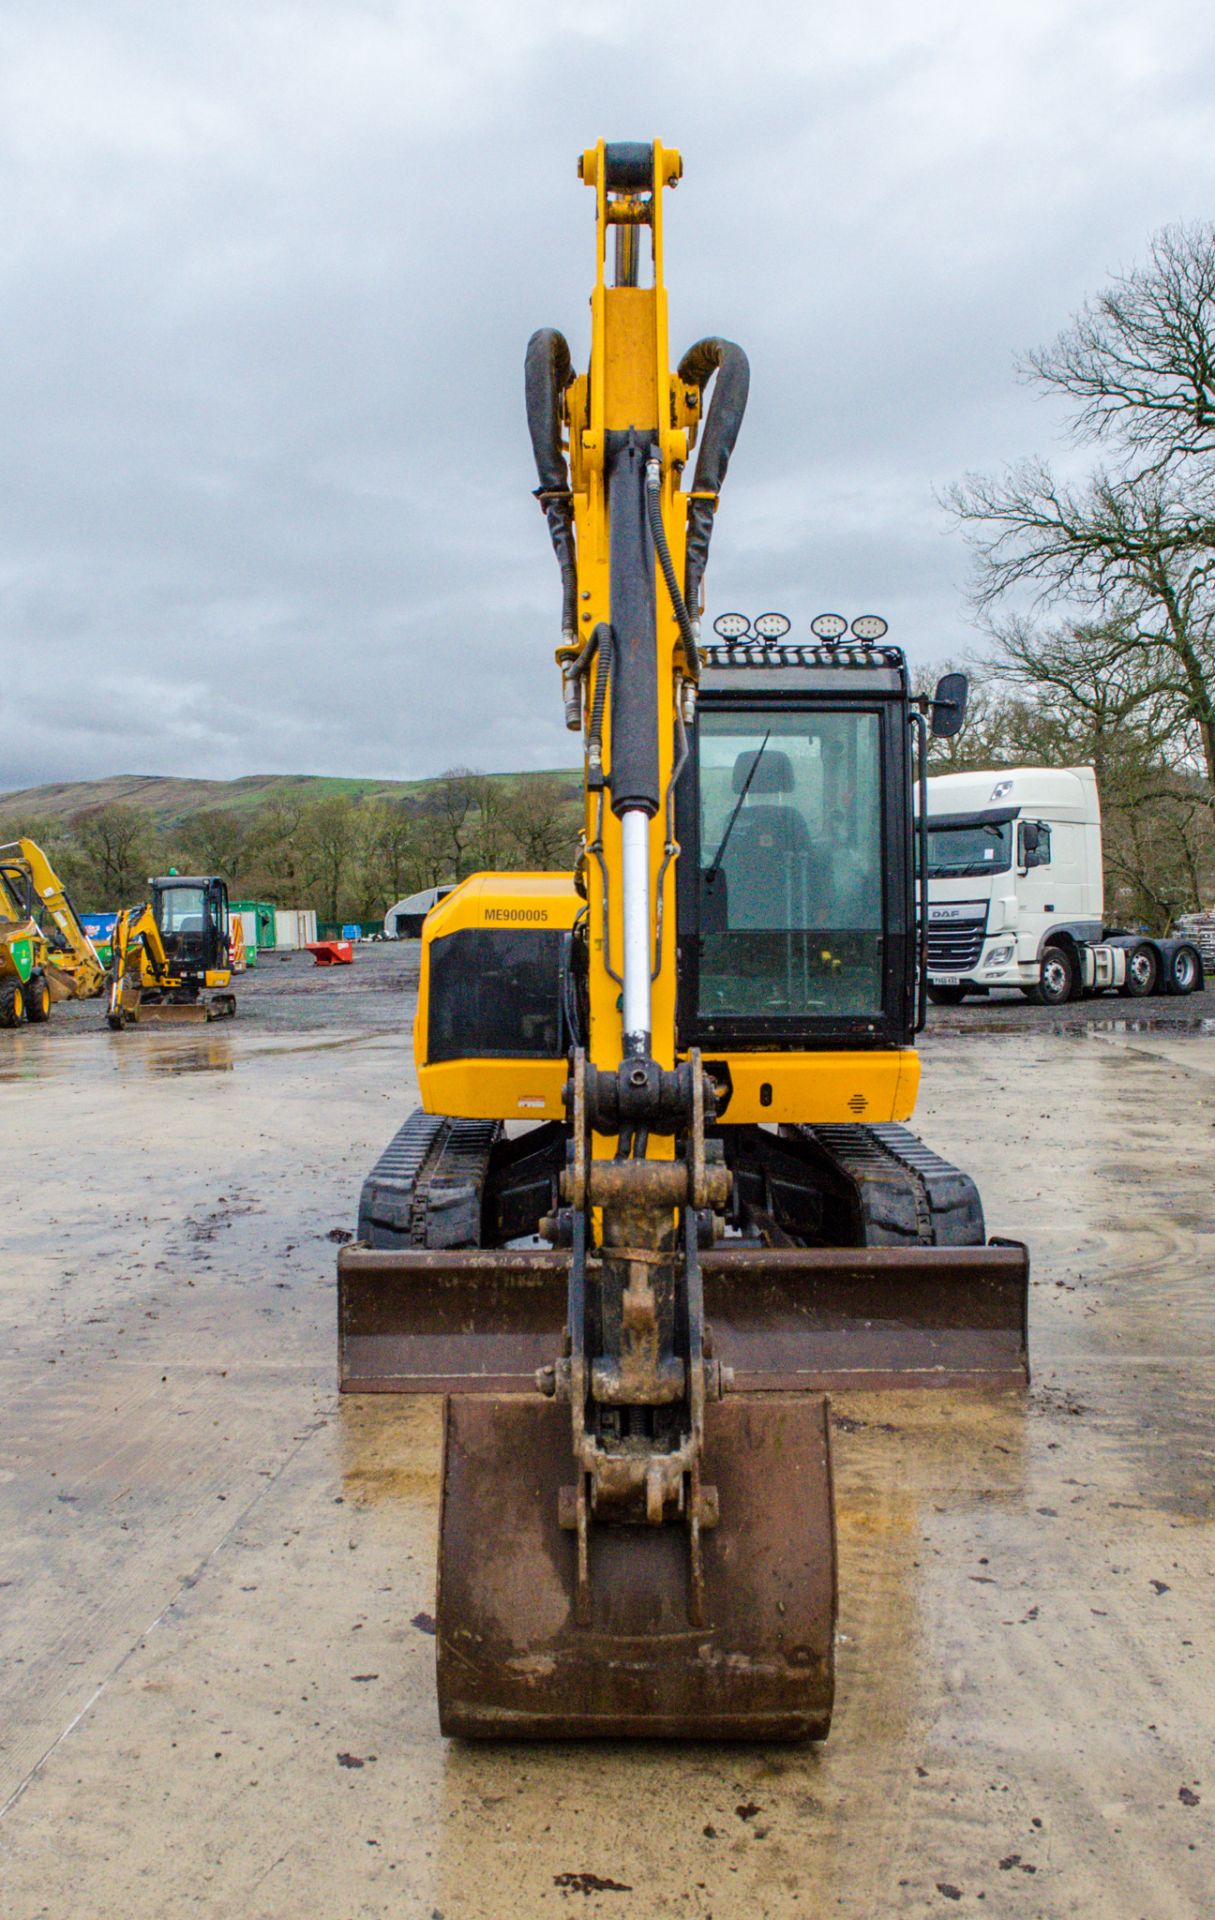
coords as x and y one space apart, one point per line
295 927
256 918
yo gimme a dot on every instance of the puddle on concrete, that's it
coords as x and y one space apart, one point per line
205 1056
1077 1027
27 1056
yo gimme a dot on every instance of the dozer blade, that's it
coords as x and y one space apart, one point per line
786 1319
186 1013
512 1662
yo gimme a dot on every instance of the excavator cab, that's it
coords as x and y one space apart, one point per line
192 915
797 909
659 1197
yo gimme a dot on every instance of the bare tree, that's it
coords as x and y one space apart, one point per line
213 842
1139 360
391 846
1130 550
1103 696
490 848
330 842
454 802
118 853
542 821
431 857
271 862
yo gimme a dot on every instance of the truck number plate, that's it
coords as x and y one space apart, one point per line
946 979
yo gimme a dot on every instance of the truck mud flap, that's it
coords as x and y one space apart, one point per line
512 1661
786 1319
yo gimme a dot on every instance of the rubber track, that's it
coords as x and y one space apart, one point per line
905 1191
425 1189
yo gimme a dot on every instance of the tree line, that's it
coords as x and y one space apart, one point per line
349 859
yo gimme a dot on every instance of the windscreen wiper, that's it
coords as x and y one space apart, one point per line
746 788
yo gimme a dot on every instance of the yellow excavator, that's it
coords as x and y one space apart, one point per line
659 1198
45 953
170 958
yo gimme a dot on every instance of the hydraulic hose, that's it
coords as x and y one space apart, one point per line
687 628
594 743
726 410
547 372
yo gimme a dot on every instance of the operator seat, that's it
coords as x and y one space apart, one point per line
768 862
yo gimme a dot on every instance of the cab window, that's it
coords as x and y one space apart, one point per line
182 910
790 864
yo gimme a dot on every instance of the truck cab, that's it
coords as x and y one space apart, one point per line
1014 866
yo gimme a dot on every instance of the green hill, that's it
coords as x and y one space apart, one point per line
173 803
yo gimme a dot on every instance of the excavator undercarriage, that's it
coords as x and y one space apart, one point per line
660 1199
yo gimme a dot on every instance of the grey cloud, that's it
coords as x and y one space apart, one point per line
267 273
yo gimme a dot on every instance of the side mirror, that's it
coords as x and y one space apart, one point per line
1034 844
949 705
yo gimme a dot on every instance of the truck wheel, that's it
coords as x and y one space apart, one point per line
1142 973
12 1003
37 999
1182 971
947 996
1057 982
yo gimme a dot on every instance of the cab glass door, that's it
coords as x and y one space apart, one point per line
790 859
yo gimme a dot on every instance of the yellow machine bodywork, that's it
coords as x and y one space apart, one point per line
45 953
817 1088
505 1088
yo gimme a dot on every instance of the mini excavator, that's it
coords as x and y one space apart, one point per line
659 1199
170 955
45 953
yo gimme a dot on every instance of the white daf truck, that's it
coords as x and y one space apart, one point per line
1015 894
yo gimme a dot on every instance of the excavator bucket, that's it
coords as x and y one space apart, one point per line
785 1319
515 1662
752 1659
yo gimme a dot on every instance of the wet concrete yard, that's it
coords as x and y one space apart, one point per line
216 1582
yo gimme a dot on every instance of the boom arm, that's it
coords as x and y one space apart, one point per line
135 927
632 547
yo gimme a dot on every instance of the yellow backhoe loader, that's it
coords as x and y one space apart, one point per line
45 953
169 956
660 1198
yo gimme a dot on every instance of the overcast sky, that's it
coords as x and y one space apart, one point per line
268 267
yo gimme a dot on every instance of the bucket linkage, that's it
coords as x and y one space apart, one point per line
613 1587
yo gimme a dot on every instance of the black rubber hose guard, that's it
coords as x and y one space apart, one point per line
726 410
547 372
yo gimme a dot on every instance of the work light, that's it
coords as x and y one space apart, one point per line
829 626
